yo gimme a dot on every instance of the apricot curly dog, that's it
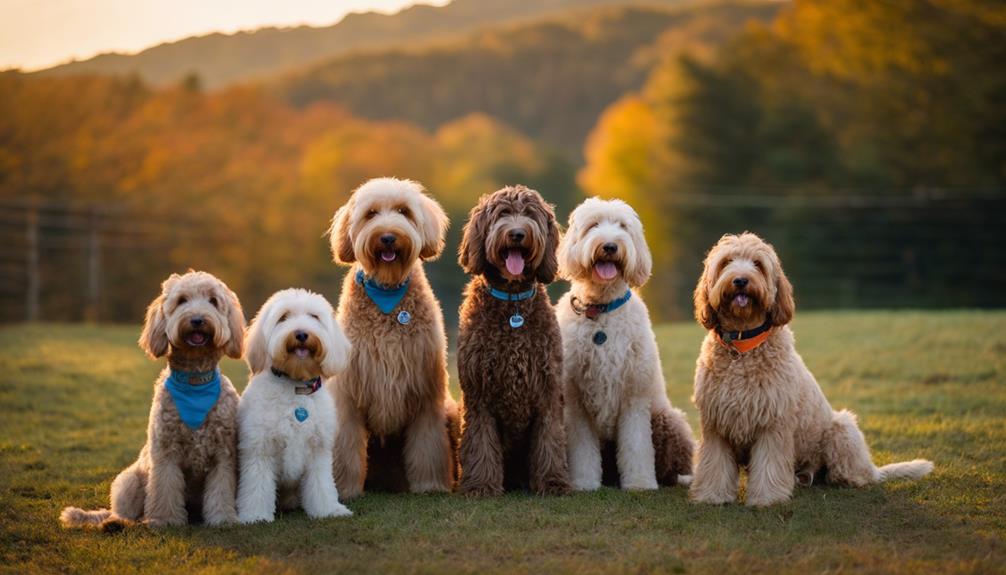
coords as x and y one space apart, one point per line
509 348
188 465
759 405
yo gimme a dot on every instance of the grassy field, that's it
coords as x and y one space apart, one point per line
74 403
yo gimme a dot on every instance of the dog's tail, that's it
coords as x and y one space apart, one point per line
75 517
99 520
915 469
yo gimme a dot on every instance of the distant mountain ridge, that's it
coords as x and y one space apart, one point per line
549 79
220 59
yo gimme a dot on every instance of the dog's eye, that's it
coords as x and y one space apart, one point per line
504 212
315 316
403 211
592 226
371 214
182 300
214 302
282 318
621 225
757 264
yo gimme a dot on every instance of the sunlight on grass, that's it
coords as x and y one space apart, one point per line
75 404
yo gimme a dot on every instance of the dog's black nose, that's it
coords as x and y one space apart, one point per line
301 336
516 235
609 248
197 321
740 282
388 239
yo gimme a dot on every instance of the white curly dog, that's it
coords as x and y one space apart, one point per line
286 417
613 382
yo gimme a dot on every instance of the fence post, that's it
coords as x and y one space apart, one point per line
93 268
31 232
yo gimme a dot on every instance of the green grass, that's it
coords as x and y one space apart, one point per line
74 403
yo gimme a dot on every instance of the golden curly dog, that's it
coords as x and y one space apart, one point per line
759 406
393 396
188 465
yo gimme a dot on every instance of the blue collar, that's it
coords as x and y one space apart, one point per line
507 296
592 310
386 299
195 393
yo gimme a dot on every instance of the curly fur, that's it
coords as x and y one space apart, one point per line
512 434
615 392
763 409
392 400
181 472
278 453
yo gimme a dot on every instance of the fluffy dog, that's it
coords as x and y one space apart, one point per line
187 466
394 393
612 377
758 404
286 420
509 348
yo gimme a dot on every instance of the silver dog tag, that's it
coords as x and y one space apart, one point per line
516 320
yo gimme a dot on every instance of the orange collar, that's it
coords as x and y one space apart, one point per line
744 341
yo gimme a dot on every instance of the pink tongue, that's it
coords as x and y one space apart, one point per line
301 352
741 300
515 262
197 338
605 270
388 256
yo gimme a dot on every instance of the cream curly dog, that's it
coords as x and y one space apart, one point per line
398 425
188 465
758 404
612 377
286 418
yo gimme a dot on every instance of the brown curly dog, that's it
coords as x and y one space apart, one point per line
759 405
509 348
188 466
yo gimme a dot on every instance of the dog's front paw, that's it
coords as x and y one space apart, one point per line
249 518
350 491
586 485
553 486
337 510
711 497
159 522
229 517
429 487
481 490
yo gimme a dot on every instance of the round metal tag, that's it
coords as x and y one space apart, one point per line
300 413
404 317
516 320
600 337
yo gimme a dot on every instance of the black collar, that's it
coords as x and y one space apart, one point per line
302 387
732 336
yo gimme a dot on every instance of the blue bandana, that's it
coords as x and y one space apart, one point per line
194 401
386 299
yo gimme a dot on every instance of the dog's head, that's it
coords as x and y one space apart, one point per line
511 234
605 242
296 333
742 285
386 226
196 313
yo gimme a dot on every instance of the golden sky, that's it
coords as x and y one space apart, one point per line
39 33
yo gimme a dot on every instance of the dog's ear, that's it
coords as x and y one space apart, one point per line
255 344
236 325
342 244
434 228
567 259
639 268
154 337
337 350
784 306
704 313
550 264
471 252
